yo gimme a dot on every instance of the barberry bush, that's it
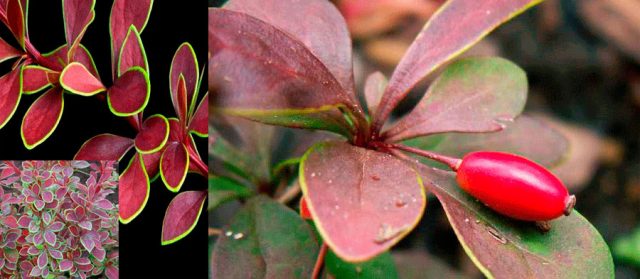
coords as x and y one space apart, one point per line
163 145
58 219
288 63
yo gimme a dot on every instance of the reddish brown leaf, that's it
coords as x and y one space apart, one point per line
129 94
548 147
249 56
182 215
152 164
471 95
10 87
315 23
184 64
76 79
36 78
78 14
58 59
104 147
134 190
373 90
7 51
132 52
455 27
42 118
174 165
379 197
125 13
153 134
199 121
180 102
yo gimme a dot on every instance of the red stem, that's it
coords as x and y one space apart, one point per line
196 161
451 162
319 262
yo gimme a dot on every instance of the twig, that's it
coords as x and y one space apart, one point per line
289 194
214 231
319 262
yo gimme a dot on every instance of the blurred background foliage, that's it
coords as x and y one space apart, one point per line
582 58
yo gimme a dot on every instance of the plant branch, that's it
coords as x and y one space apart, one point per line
451 162
215 232
319 262
289 194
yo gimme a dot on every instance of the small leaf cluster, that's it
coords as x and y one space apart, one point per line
59 219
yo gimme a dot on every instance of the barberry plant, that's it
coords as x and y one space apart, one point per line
59 219
288 63
164 146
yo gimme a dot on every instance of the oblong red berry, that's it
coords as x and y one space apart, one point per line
514 186
304 209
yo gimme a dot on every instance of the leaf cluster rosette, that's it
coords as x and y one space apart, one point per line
288 63
59 219
163 146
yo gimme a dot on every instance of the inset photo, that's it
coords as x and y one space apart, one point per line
59 219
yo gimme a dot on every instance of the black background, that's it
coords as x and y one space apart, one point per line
170 24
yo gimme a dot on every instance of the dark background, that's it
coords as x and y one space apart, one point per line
170 24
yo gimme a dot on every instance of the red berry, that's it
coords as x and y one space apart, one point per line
514 186
304 210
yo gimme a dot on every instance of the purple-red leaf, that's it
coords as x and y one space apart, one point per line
125 13
42 260
78 14
296 89
152 164
471 95
199 121
182 215
317 24
42 118
455 27
132 53
36 78
379 196
180 103
7 51
24 221
174 165
104 147
153 134
184 64
76 79
65 265
134 190
50 237
129 94
10 87
58 59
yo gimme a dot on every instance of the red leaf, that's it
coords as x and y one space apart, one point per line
76 79
174 165
125 13
129 94
7 51
16 20
78 14
180 101
184 63
104 147
152 163
317 24
379 197
455 27
10 87
199 124
36 78
42 118
182 215
249 56
132 52
134 190
153 134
